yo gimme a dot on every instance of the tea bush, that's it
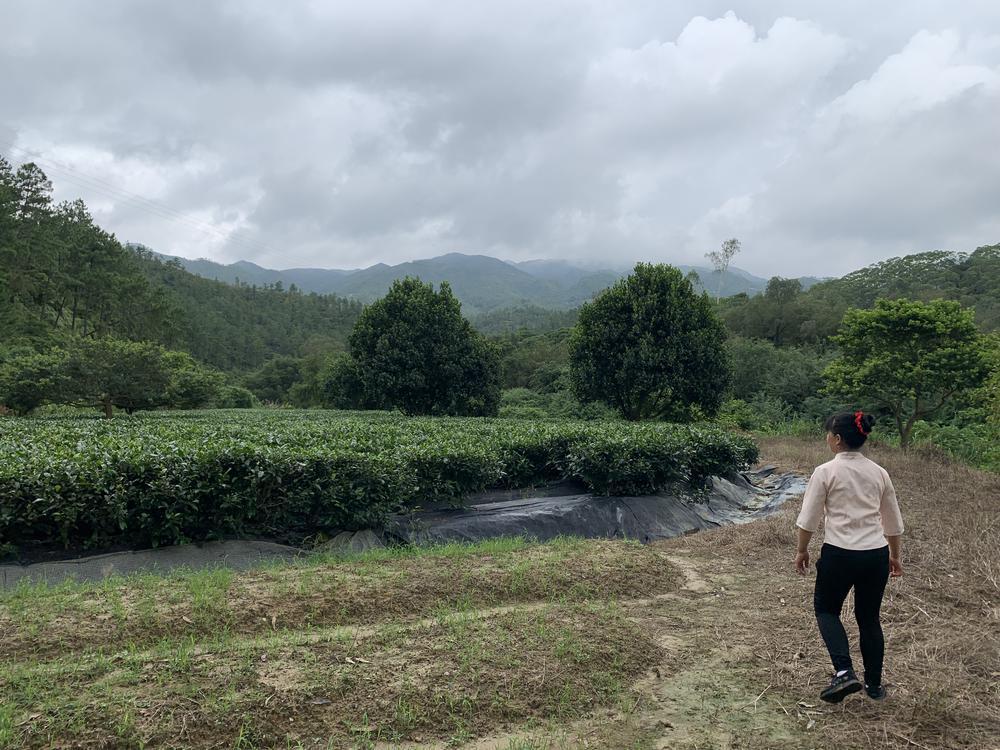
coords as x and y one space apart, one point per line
165 478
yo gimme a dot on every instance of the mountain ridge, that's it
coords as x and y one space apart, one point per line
481 282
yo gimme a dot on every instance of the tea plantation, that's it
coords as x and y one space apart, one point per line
164 478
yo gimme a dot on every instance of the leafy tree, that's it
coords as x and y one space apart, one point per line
191 385
551 378
762 371
7 250
108 373
524 354
993 394
651 348
342 387
309 391
415 352
907 357
29 379
103 373
782 291
275 378
783 315
989 396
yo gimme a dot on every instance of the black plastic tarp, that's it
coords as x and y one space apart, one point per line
560 511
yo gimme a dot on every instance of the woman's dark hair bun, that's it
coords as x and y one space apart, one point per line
852 426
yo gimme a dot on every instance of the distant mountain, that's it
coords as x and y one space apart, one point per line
562 272
319 280
483 284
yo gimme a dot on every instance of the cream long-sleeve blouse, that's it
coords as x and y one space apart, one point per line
857 498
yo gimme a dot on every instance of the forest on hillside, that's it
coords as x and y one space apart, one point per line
63 278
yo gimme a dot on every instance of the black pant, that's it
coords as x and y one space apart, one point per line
867 571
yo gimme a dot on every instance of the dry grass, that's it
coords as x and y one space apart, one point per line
453 677
941 619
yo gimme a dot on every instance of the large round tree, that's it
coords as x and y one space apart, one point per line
415 352
651 347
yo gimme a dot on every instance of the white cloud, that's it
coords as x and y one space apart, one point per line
932 70
906 160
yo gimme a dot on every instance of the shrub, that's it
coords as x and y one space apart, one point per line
235 397
524 403
978 445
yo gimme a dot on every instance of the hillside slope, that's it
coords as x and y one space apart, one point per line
240 328
792 316
970 278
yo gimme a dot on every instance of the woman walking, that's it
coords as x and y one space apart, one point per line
861 549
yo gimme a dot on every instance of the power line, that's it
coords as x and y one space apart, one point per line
95 183
134 200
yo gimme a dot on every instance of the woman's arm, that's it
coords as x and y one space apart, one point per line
892 526
895 555
802 551
813 508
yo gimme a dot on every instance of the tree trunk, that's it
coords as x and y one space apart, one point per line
106 404
897 415
906 430
904 437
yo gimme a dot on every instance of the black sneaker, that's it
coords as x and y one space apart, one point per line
875 693
840 688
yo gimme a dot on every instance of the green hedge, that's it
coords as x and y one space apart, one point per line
167 478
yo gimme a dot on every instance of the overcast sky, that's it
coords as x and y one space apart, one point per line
824 135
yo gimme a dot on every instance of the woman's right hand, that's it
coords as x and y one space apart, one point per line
895 567
802 562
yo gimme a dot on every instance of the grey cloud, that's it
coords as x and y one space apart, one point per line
825 135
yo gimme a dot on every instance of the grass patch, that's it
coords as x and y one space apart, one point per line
461 675
39 621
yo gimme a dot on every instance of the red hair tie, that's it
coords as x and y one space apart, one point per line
857 422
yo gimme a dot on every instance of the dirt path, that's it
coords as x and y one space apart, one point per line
699 694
